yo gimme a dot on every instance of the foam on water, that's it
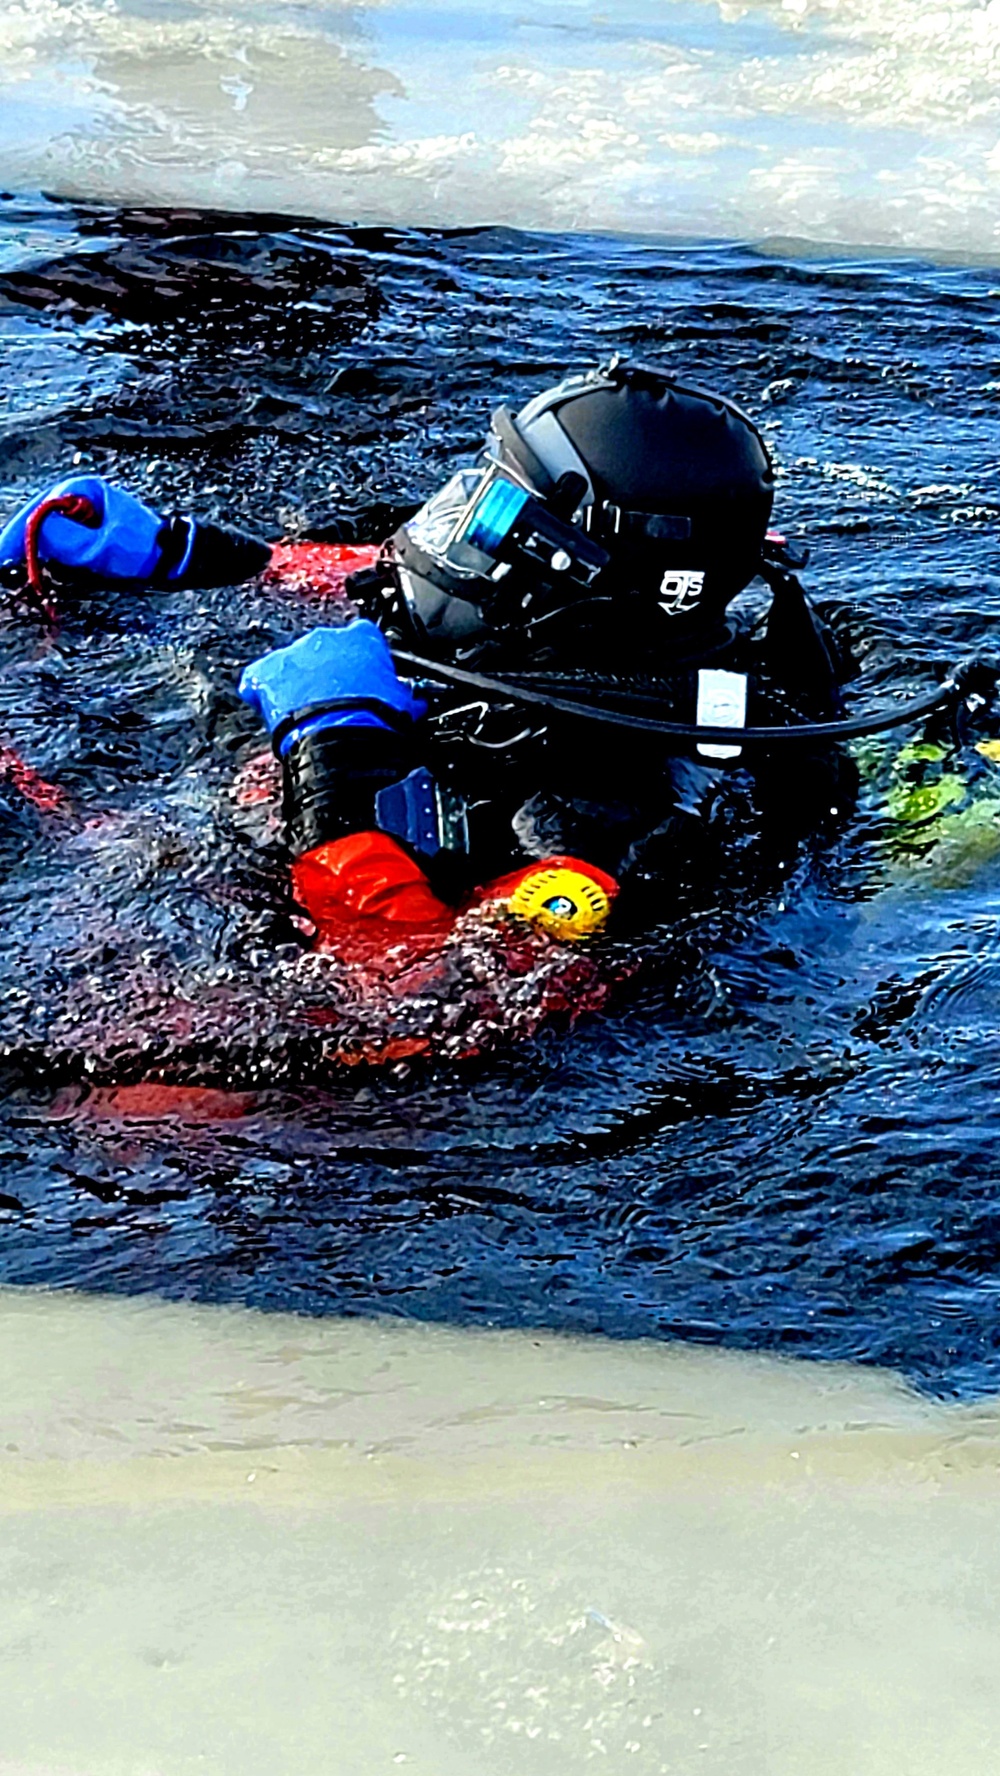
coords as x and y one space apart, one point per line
443 1551
822 119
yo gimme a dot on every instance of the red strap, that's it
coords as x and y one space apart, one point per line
68 505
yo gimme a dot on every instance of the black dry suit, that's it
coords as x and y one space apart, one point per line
603 552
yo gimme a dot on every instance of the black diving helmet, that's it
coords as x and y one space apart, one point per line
621 487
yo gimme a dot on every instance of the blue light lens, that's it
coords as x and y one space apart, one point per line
493 516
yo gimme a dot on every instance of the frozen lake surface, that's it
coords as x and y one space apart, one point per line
246 1543
820 119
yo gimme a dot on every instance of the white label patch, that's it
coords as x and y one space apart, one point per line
680 591
722 703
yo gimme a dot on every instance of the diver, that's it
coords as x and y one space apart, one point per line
542 693
597 554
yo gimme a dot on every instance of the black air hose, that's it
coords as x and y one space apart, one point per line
972 678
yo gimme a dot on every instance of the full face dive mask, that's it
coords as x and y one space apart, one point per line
488 543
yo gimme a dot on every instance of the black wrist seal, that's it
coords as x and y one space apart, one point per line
218 556
331 776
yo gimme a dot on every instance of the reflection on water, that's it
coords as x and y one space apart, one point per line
444 1552
824 119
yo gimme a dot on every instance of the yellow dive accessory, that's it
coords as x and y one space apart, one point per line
562 901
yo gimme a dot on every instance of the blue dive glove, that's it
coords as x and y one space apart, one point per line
123 543
342 723
330 678
115 537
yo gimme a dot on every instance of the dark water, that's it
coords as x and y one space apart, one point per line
780 1131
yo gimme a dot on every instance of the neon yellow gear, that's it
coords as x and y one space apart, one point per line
562 901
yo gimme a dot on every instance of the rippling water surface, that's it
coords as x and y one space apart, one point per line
780 1131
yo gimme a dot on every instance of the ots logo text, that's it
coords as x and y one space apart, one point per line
680 591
